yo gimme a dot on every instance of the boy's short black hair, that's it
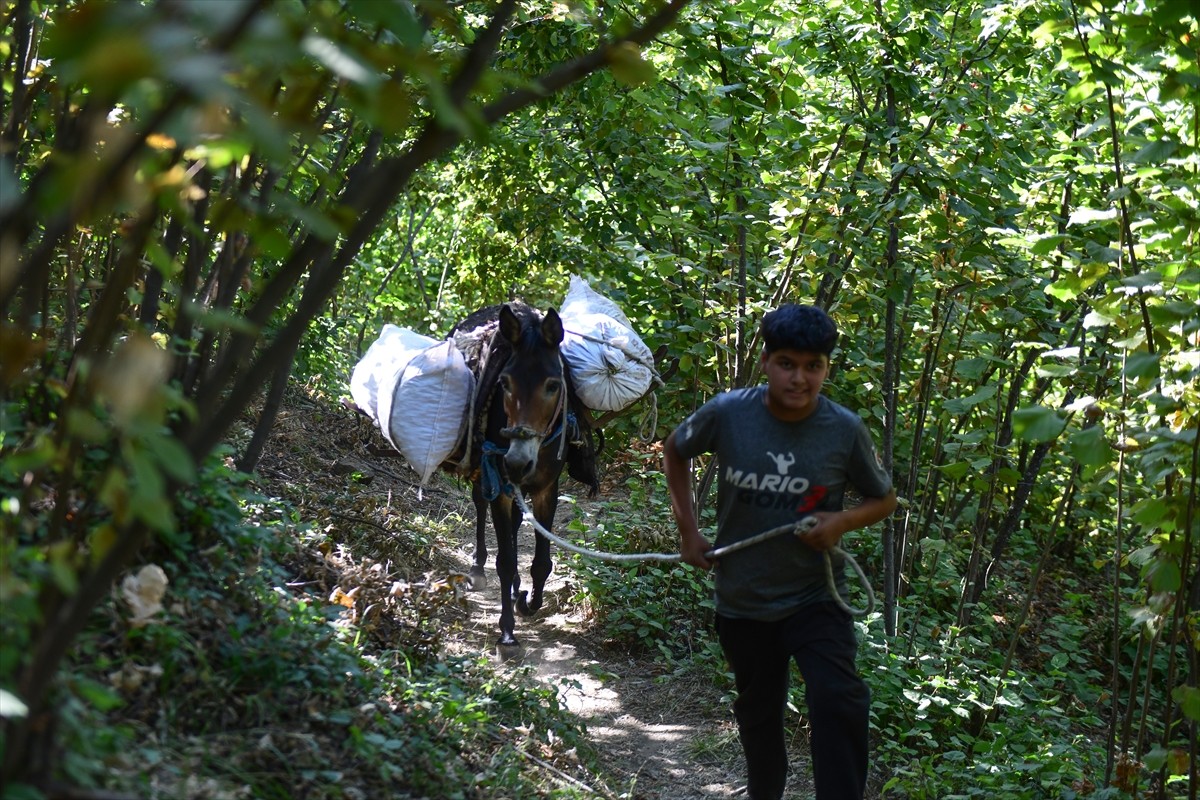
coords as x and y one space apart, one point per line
796 327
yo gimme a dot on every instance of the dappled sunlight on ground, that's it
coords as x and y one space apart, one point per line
661 738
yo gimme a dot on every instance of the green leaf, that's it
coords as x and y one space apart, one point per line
1175 760
1188 698
1038 424
1155 152
1102 254
1066 288
1047 244
61 558
100 541
172 457
114 493
397 16
1089 447
148 497
220 319
955 471
1142 365
961 405
340 62
98 695
83 425
1165 575
971 368
220 152
1150 279
1156 758
35 458
1056 370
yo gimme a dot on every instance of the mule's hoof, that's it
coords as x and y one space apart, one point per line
508 648
526 608
476 580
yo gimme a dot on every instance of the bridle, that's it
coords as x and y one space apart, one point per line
525 432
493 481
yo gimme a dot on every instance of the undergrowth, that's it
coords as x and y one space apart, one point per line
283 664
649 606
298 653
945 723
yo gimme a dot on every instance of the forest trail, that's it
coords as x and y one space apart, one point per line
660 737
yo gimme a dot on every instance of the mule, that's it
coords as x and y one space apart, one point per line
527 424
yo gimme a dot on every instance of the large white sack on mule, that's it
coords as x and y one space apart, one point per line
416 389
610 364
428 408
381 366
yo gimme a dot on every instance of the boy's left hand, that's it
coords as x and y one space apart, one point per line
825 534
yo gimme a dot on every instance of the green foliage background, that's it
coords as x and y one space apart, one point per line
202 202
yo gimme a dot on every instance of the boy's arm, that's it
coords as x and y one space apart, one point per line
692 544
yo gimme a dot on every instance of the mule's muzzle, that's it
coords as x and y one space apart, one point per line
522 457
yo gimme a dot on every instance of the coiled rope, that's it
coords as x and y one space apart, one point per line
796 528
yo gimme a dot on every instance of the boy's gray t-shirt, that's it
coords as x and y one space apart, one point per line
773 473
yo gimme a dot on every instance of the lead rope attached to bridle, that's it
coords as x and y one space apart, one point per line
796 528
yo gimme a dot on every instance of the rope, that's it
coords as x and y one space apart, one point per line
797 528
562 405
650 421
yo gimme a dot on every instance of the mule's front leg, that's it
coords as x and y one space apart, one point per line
478 578
506 522
545 503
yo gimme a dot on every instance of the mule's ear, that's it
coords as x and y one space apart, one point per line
552 327
510 326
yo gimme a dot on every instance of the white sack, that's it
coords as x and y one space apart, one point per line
582 299
417 390
610 364
380 368
429 407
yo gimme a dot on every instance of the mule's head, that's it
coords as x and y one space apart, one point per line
533 385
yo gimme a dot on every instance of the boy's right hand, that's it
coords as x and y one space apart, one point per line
692 549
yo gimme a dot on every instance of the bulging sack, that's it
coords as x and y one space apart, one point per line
417 390
610 364
429 407
381 367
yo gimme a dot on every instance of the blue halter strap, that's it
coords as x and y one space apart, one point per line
491 471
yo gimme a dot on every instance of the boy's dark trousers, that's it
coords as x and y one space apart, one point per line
821 639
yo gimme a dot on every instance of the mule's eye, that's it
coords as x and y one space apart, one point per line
506 383
553 386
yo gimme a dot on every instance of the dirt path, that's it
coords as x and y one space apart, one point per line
661 739
652 733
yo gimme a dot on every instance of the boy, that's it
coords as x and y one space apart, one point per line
784 452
